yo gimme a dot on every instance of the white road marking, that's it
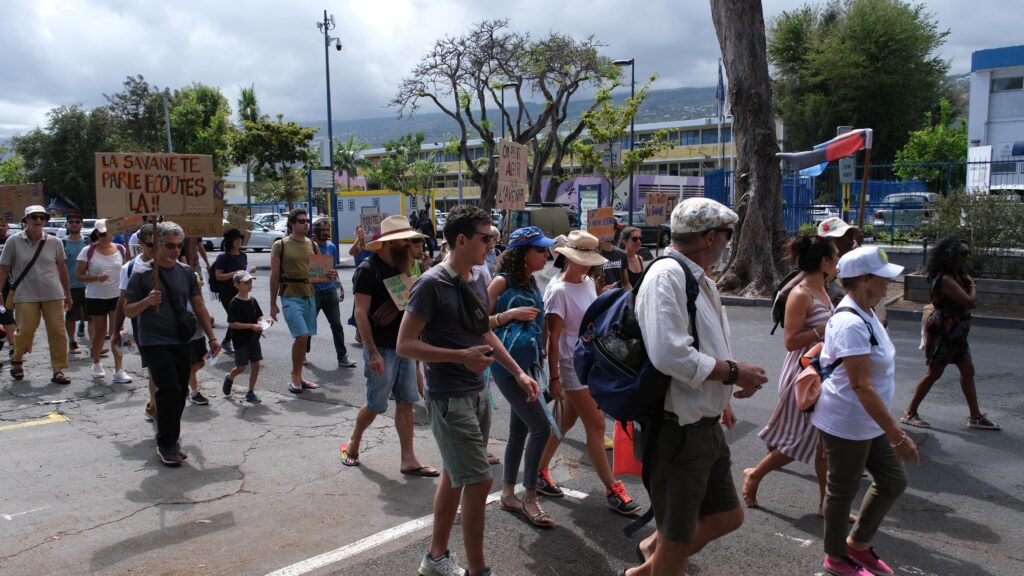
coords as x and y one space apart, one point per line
378 539
11 516
803 543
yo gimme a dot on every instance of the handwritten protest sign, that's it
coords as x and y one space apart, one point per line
130 183
210 223
511 195
370 220
399 288
239 216
14 199
122 224
513 162
656 208
320 266
601 223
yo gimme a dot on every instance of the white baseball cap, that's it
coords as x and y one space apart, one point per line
867 260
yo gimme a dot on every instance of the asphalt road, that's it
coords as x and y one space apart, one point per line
264 489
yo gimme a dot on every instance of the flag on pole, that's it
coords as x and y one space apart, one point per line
720 94
838 147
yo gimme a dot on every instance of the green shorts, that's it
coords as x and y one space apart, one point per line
690 477
461 427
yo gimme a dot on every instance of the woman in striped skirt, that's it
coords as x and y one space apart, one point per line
789 434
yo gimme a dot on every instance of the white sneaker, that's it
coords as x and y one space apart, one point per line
121 377
443 566
97 371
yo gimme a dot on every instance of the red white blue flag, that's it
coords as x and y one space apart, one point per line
839 147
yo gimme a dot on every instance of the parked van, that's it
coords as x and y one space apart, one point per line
553 219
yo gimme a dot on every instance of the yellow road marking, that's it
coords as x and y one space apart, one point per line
49 419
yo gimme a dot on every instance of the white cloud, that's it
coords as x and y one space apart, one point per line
63 51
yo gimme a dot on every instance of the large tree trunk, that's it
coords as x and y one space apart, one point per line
757 179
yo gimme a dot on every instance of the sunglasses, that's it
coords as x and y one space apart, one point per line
635 238
302 220
74 221
173 246
148 244
726 231
39 217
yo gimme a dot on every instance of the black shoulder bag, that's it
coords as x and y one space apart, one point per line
184 321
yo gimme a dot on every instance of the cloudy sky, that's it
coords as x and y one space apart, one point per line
56 52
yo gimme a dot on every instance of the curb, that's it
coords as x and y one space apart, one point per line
894 313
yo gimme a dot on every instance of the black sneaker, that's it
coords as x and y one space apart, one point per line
620 501
226 388
169 455
198 398
546 487
81 330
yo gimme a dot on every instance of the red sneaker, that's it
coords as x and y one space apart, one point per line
845 566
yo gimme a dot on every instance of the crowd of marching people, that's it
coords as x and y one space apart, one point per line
469 327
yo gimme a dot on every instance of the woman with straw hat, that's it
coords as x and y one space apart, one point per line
565 302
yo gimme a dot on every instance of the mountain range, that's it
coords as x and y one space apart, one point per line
659 106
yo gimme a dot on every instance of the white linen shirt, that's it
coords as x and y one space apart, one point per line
665 326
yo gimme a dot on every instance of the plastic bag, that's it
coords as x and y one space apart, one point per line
624 461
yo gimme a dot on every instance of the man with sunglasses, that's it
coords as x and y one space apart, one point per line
328 295
43 291
157 291
692 493
73 245
289 279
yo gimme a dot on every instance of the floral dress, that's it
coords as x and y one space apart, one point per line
947 328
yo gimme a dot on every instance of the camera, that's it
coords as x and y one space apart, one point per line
337 44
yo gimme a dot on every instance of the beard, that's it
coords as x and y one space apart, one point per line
402 258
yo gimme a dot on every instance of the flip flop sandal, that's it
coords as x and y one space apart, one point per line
422 472
294 389
348 458
60 378
306 385
17 372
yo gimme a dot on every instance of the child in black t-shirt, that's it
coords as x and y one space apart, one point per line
244 317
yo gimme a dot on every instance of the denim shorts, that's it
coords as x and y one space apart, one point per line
461 426
300 315
399 377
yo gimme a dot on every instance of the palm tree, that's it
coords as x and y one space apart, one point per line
348 158
248 110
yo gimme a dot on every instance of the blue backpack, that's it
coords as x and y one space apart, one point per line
521 339
611 358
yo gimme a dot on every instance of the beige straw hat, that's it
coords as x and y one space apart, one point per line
581 248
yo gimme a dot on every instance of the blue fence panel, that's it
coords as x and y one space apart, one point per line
716 186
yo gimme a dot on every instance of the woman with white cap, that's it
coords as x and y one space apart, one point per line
565 303
852 414
99 266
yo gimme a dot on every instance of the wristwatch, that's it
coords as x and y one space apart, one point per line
734 373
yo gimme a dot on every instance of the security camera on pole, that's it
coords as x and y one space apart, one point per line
326 26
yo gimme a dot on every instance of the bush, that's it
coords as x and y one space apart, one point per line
993 225
808 229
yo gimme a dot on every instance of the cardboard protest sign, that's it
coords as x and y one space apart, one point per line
511 195
601 223
171 184
122 224
208 224
319 267
399 288
14 199
513 162
656 208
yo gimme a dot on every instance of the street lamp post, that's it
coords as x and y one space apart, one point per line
502 111
326 26
632 129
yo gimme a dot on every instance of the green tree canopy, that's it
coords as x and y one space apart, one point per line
137 116
941 141
278 150
403 168
863 63
12 167
201 124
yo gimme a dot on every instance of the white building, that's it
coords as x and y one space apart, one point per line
995 127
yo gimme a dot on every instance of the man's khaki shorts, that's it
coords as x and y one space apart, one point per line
461 427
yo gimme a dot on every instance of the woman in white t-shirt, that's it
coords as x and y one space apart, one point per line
99 266
853 416
565 303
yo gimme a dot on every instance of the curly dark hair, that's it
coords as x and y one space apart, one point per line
513 262
943 256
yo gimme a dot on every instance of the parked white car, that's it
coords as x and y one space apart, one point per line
262 239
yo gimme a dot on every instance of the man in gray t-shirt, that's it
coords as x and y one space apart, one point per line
154 300
456 356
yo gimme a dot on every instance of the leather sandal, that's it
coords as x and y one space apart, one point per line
17 371
60 378
540 518
512 504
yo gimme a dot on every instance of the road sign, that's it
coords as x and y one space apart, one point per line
322 178
847 170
